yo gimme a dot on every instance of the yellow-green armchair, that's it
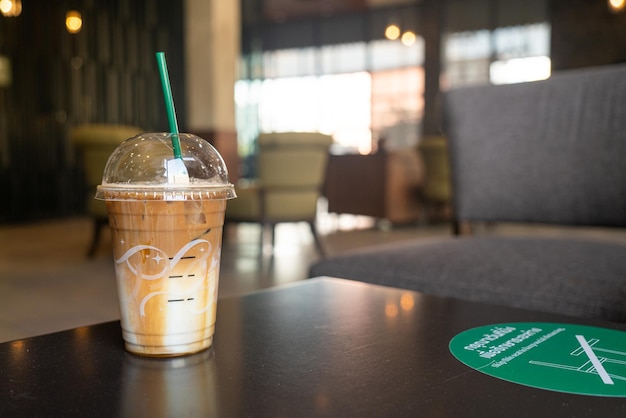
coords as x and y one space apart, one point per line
437 189
95 143
291 171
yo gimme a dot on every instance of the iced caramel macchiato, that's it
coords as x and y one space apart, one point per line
167 258
167 236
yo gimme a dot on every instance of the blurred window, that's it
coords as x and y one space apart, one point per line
335 89
363 91
506 55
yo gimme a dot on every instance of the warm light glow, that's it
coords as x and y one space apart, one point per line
391 310
392 32
17 345
407 301
616 6
73 21
408 38
11 8
18 350
81 333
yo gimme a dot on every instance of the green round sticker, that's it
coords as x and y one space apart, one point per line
561 357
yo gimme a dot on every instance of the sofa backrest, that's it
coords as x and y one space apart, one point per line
551 151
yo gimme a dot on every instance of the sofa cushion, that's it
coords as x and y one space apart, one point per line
583 278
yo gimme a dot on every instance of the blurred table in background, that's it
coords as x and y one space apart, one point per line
385 185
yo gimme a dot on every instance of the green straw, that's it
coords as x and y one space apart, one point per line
169 103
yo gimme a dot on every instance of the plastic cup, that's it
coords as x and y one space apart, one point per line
167 240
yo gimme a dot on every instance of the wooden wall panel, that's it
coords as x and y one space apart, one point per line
106 73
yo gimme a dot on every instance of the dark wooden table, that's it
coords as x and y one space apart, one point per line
321 347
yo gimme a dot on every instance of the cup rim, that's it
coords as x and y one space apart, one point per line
170 192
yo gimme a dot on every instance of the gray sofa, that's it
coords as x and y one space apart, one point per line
547 152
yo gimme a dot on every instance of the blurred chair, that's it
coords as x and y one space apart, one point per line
95 143
291 170
436 190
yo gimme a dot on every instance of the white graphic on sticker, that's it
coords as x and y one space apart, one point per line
594 364
177 279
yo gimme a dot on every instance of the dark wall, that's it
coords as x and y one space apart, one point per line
585 33
106 73
258 33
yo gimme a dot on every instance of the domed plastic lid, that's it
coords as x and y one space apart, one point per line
144 167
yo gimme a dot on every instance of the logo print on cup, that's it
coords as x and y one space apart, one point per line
195 280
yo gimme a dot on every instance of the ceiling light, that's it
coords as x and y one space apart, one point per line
616 6
11 8
392 32
408 38
73 21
